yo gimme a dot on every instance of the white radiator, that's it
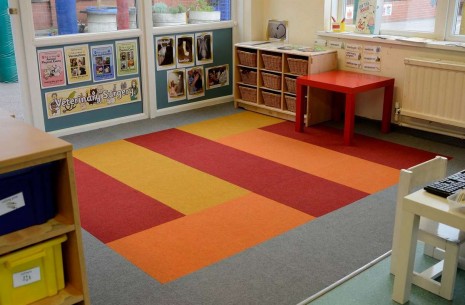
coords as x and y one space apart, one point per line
434 91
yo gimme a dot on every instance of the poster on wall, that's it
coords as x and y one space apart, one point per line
88 98
353 55
185 50
127 60
165 55
103 65
217 76
176 85
77 64
371 58
51 68
368 17
195 82
204 48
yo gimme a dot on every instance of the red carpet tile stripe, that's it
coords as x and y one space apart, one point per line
111 210
307 193
368 148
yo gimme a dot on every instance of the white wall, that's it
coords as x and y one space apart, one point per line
306 17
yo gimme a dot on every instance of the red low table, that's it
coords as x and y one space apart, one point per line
349 83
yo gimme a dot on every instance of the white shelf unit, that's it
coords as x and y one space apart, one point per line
262 85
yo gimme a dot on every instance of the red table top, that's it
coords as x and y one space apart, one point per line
345 81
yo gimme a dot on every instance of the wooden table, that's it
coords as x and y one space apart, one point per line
419 203
349 83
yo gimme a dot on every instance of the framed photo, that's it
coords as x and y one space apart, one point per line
277 30
217 76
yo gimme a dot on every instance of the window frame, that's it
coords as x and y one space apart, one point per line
446 10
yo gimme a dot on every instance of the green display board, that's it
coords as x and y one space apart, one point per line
89 82
192 67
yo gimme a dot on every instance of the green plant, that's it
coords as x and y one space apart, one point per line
161 7
203 5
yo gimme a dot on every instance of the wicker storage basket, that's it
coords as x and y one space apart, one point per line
271 99
290 83
271 81
297 66
248 76
290 103
247 58
272 62
248 94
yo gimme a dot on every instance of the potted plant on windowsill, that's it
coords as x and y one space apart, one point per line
203 11
163 15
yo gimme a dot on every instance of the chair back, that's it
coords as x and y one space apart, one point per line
411 179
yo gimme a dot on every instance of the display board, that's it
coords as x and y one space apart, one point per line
193 66
89 82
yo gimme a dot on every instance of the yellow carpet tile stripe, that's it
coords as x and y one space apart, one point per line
229 125
351 171
160 177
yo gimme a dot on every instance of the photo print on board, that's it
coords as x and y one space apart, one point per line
165 54
175 80
204 48
185 50
217 76
195 82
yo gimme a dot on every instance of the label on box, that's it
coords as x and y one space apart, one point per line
11 203
26 277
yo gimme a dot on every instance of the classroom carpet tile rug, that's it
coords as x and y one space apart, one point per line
175 201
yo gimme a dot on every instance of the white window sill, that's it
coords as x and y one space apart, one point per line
398 40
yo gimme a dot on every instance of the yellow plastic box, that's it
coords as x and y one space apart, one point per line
32 273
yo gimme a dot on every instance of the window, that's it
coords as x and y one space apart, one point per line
53 17
434 19
179 12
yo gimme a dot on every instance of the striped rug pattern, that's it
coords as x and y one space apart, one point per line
175 201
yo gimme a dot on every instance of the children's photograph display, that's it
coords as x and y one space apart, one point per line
103 64
77 64
51 68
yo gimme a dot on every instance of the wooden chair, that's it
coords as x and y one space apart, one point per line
441 241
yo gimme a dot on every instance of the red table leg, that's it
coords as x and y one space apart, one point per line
387 108
300 108
349 119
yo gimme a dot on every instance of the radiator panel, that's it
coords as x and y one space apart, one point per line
434 90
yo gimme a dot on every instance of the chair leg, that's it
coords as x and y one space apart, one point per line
450 271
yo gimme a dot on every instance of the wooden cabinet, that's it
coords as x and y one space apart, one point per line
265 74
22 147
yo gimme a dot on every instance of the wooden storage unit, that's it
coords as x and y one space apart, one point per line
22 147
273 68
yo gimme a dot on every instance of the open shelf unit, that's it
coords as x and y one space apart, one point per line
23 147
265 74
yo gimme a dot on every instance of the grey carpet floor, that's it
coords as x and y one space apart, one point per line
284 270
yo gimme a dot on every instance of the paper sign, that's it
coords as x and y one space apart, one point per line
11 203
27 277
